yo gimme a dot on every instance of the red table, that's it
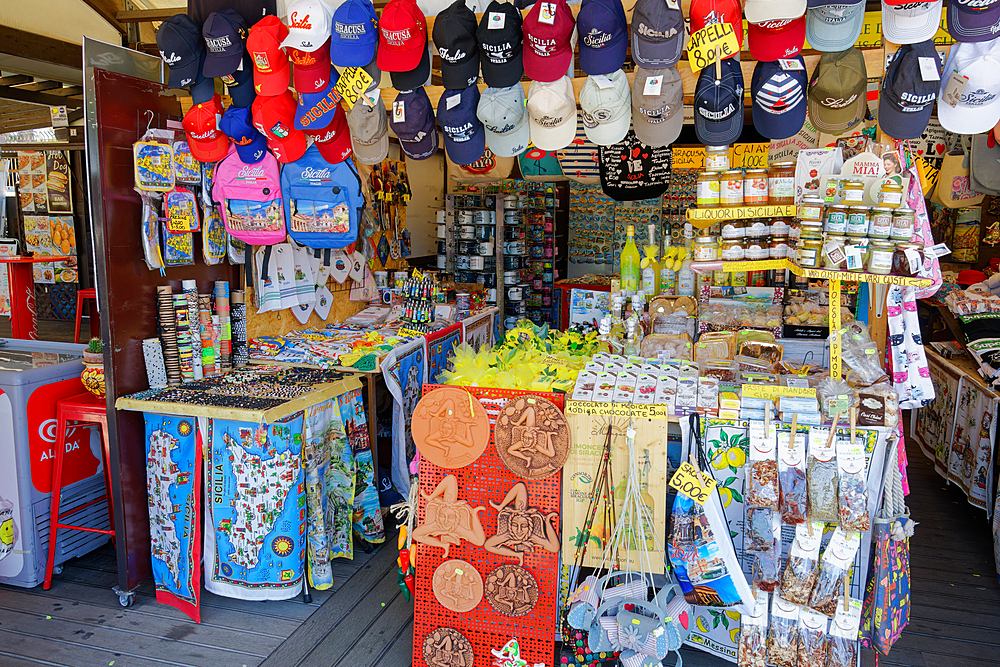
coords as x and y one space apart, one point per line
22 292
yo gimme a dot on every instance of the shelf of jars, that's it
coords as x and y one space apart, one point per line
806 272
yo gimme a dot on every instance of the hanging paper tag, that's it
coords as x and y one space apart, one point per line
603 81
547 13
953 89
452 101
398 112
653 84
835 253
854 258
939 250
352 84
790 64
716 41
686 481
373 97
496 21
914 259
928 68
673 4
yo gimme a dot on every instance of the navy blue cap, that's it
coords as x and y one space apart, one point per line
412 119
203 89
779 98
455 38
906 101
182 49
603 34
225 34
355 34
464 137
416 77
237 124
718 104
240 83
315 110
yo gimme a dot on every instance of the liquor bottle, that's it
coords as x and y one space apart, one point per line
629 263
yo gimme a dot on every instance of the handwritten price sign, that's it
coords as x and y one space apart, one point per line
686 481
716 41
352 84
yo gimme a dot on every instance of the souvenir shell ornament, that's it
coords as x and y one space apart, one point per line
532 437
450 427
458 586
447 647
512 590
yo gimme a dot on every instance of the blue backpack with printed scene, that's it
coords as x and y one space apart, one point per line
323 201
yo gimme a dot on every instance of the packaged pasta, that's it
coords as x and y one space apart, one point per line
853 486
833 567
822 475
812 639
783 638
763 467
759 535
843 638
792 477
800 572
752 651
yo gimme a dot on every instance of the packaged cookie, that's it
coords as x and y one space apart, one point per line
853 486
752 651
793 496
835 397
800 572
842 650
833 567
812 646
783 638
821 471
763 467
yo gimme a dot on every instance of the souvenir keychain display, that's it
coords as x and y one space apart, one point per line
419 294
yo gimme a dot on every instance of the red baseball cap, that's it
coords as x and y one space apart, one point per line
778 38
270 64
707 12
402 36
334 140
201 125
275 118
547 47
311 69
970 277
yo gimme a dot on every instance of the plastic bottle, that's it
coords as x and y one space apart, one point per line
685 279
650 267
631 275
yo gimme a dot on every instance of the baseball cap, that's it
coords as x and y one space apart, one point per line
369 131
776 38
606 107
240 83
838 91
415 77
464 137
974 20
412 120
374 72
310 69
658 112
505 120
603 34
455 38
779 98
203 89
552 112
309 25
334 140
718 104
707 12
225 34
201 125
836 26
548 49
970 277
182 49
978 107
402 36
657 34
315 110
270 75
906 100
237 123
759 11
912 22
500 47
274 116
355 34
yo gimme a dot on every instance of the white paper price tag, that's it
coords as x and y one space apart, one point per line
603 81
790 64
653 84
953 89
928 69
398 112
496 21
547 13
452 101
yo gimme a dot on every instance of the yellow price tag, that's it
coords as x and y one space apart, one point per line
774 391
716 41
352 84
685 481
688 158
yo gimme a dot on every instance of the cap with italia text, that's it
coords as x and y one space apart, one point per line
274 116
201 126
310 69
606 107
355 34
315 110
270 64
658 111
552 113
909 90
455 38
778 91
657 33
974 20
976 105
464 137
182 49
709 12
911 22
334 140
402 38
505 120
309 25
225 34
777 38
838 91
718 104
603 34
500 48
834 26
412 120
369 131
237 123
548 49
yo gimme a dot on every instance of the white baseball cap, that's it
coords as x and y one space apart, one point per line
978 107
606 107
310 24
758 11
657 115
505 120
911 22
552 113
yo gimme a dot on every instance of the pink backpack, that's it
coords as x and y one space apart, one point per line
249 198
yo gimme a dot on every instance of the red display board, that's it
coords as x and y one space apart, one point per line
488 479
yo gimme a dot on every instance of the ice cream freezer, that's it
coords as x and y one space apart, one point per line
33 376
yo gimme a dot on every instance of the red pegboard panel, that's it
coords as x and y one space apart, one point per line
486 479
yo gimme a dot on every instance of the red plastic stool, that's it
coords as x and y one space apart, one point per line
82 296
83 407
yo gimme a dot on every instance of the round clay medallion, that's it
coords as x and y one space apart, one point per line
458 586
446 647
512 590
450 427
532 437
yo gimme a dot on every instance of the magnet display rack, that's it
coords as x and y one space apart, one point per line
487 221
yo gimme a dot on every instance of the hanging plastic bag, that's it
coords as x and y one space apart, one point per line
151 230
767 563
213 236
792 477
783 638
763 468
800 572
833 568
812 638
853 487
843 642
752 651
822 474
757 536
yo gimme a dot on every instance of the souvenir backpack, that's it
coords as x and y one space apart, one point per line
249 198
323 201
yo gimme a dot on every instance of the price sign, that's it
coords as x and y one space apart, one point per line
716 41
352 84
686 481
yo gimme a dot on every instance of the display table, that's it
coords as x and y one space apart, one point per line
22 292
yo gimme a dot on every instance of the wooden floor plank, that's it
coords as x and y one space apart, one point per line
400 653
45 650
381 633
958 631
12 660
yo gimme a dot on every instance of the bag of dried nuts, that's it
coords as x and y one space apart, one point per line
812 638
783 638
800 572
763 468
833 567
752 651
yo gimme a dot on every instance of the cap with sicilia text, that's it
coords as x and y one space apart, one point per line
310 69
909 89
548 48
974 20
552 113
606 107
658 33
603 36
838 91
709 12
309 25
775 39
201 126
500 45
182 49
464 137
334 140
911 22
718 104
315 110
975 106
657 105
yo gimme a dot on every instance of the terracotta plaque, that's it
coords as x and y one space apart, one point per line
512 590
446 647
532 437
450 427
458 586
448 520
521 528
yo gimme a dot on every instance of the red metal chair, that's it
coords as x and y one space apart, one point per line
88 408
82 296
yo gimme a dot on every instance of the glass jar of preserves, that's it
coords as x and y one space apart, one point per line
811 227
852 192
880 223
755 187
857 221
833 252
779 248
757 228
902 224
907 259
717 158
810 208
732 250
731 192
807 252
781 183
890 194
757 249
831 189
705 249
733 229
880 256
780 227
707 189
836 219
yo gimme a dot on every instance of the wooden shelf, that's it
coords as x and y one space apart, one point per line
844 276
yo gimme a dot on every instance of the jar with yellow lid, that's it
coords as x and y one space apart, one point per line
755 187
852 192
890 194
733 229
902 224
707 190
880 222
857 221
731 192
880 256
781 183
717 158
705 249
779 248
833 252
808 251
810 208
732 250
